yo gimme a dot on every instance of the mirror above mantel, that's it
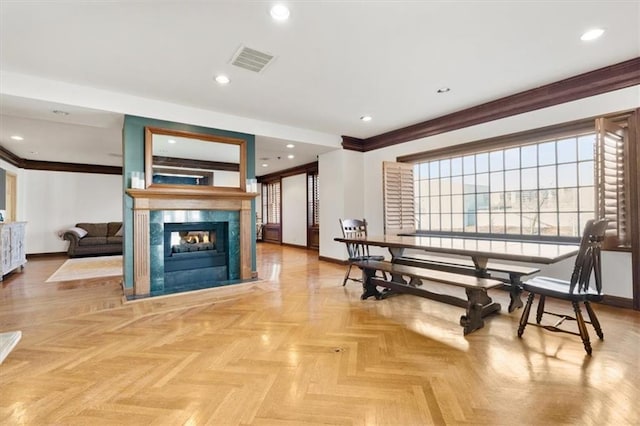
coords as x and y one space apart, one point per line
177 159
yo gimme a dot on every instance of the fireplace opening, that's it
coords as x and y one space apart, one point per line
195 254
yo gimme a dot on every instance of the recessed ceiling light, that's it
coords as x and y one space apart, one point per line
592 34
280 12
443 90
366 118
265 165
290 156
171 141
17 138
60 112
222 79
290 145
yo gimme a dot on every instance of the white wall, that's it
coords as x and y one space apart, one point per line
51 202
616 266
294 210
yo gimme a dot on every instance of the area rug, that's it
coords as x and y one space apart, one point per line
88 267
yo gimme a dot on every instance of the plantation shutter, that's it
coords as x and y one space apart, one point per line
273 202
398 199
313 197
612 188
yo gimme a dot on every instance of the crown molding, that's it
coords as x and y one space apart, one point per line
53 166
602 80
304 168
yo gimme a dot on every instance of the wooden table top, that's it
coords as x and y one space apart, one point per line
522 251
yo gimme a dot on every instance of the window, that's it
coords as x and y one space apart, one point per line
313 199
271 202
542 184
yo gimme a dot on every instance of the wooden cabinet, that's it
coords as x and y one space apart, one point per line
12 251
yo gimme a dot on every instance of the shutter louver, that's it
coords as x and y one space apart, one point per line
399 207
611 188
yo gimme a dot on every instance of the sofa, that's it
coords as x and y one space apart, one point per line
93 239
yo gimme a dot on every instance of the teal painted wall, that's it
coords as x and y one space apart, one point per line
133 161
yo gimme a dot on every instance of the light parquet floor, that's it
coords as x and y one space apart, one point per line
297 348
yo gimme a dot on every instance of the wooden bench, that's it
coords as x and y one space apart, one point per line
466 266
478 303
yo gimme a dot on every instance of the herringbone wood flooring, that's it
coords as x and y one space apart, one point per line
297 349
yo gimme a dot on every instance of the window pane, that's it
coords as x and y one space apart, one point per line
457 222
587 199
567 175
497 202
546 153
424 205
469 222
585 147
548 200
435 222
434 169
548 223
568 224
469 203
435 204
585 171
568 200
482 162
512 158
496 160
530 156
445 186
482 202
497 223
456 185
456 204
456 166
584 217
512 201
530 224
512 180
529 178
482 182
547 177
434 187
423 222
445 204
445 168
424 188
529 201
483 223
469 184
497 181
469 164
513 223
567 150
416 171
445 222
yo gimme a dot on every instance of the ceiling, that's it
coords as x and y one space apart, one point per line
334 62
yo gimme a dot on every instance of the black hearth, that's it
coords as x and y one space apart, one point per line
195 254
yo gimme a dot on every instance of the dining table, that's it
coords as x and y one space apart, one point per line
479 250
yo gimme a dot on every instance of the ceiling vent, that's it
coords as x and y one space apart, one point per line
251 59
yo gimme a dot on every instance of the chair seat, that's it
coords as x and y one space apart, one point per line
553 287
361 258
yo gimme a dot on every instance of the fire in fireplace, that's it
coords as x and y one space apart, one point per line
195 253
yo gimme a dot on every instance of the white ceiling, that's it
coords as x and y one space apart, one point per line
335 61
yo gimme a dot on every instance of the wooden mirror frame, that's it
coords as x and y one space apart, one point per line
148 158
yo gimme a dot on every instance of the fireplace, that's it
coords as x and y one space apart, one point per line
195 254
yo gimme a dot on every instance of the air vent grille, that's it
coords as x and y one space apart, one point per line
251 59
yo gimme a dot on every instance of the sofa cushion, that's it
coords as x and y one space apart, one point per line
114 240
112 229
92 241
94 229
78 231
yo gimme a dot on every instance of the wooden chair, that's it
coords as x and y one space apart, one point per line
355 228
575 290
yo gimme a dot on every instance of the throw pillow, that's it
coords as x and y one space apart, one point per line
119 232
78 231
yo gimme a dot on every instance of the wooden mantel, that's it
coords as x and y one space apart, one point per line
161 198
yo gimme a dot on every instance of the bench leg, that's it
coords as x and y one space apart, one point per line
515 292
479 305
369 289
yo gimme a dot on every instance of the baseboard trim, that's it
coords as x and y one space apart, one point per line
332 260
51 254
618 302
